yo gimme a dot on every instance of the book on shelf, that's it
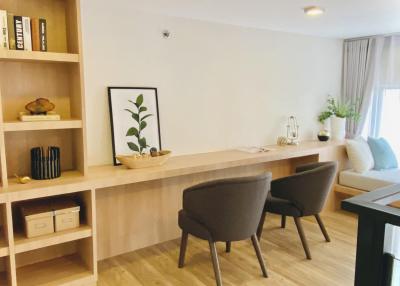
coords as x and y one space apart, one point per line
11 31
3 30
26 23
50 116
39 34
19 33
22 33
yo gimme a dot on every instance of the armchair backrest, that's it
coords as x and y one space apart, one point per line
308 189
230 208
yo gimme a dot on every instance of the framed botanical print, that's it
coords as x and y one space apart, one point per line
135 122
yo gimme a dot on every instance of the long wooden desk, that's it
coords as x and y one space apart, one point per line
132 209
111 176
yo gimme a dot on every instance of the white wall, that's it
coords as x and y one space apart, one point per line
219 86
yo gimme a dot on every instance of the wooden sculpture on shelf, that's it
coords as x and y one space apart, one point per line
40 109
40 106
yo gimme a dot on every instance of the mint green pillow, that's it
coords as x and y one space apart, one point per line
383 154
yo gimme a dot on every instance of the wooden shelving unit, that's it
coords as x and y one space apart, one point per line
62 258
56 75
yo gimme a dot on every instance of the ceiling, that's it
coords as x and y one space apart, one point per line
343 18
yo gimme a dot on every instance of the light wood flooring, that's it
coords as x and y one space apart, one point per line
332 264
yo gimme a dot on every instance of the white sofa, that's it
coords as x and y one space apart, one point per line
369 180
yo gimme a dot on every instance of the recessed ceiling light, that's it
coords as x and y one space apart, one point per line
313 11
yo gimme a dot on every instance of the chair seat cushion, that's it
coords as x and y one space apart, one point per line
190 225
280 206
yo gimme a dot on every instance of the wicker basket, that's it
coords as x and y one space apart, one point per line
137 162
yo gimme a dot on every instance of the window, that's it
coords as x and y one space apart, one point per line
384 118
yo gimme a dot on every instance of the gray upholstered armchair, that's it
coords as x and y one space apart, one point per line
224 210
299 195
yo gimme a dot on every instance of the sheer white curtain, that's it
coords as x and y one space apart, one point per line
385 108
360 60
371 78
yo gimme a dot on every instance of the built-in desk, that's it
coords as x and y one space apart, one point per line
132 209
138 208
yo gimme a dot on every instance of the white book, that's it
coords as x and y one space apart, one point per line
50 116
26 22
3 30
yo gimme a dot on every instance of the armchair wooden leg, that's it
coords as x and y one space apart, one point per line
302 237
228 246
322 227
261 225
256 245
182 252
214 257
283 221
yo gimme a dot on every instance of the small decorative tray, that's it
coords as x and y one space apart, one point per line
144 161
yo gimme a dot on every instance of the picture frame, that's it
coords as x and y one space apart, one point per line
127 113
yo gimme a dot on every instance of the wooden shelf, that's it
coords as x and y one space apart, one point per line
69 182
41 125
23 244
26 56
66 270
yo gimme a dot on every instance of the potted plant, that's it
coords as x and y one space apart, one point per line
338 112
138 143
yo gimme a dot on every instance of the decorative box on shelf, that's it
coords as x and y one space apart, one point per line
49 216
66 214
38 217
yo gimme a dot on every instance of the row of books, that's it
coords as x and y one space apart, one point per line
22 33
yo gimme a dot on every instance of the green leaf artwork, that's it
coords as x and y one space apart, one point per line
136 131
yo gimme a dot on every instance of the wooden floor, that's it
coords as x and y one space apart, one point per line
332 264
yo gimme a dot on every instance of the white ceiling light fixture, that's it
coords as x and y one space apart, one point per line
313 11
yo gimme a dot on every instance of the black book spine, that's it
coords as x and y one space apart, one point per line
19 33
51 162
33 160
43 34
58 162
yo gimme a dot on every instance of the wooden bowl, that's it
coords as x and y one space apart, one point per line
137 162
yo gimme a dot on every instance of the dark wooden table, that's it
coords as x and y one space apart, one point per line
373 267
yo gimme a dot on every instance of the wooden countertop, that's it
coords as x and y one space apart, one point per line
108 176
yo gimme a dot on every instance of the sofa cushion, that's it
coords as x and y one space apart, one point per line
383 154
360 154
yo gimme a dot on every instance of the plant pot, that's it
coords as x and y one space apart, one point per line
323 135
326 125
338 128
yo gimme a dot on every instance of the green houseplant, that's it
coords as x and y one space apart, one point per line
338 112
140 117
338 109
138 143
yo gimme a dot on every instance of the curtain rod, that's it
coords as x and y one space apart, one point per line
367 37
